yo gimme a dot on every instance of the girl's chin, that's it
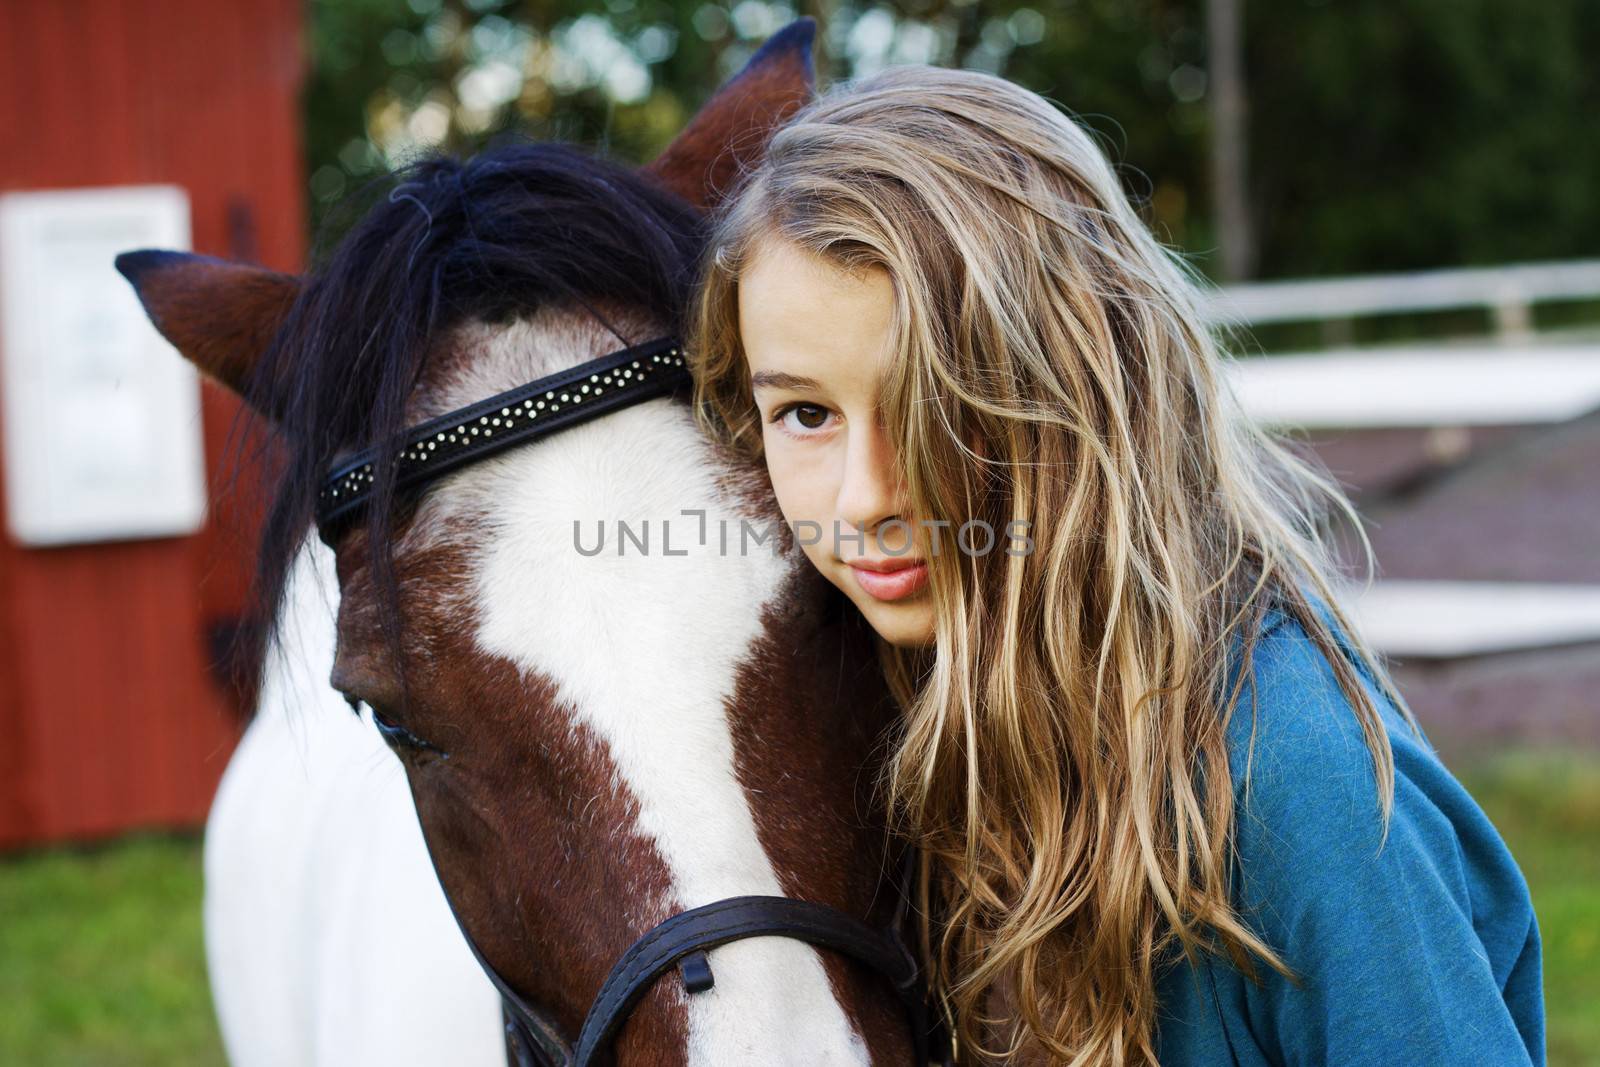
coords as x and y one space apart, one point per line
904 624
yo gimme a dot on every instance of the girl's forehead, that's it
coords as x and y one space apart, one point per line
798 310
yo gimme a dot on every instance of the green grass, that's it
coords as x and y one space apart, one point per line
101 962
101 958
1547 807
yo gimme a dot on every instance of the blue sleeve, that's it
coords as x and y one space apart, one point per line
1424 951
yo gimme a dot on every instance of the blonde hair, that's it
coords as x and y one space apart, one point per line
1053 736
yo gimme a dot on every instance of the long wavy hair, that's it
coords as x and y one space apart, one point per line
1053 739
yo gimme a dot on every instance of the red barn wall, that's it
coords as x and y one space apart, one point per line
111 714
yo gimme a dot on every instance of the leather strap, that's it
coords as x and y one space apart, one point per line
534 1040
735 919
528 412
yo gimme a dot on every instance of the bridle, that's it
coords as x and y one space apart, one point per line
518 416
681 941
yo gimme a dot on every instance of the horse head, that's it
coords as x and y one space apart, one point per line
596 741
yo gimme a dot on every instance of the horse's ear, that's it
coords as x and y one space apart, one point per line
221 316
730 132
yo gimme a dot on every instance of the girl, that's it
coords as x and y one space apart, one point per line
1172 806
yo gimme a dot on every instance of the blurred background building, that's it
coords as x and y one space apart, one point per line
114 707
1398 199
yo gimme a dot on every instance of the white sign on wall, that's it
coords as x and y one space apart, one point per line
101 416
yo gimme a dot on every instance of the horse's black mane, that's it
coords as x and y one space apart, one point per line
500 235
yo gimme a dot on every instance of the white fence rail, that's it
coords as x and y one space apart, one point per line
1508 292
1421 386
1514 379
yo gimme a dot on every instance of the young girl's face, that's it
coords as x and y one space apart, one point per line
816 339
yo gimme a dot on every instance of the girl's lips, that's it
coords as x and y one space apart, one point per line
892 585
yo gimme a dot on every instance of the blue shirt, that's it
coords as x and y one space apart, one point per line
1425 952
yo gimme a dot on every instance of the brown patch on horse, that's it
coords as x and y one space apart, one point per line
528 821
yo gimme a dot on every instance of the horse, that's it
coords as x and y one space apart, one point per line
597 745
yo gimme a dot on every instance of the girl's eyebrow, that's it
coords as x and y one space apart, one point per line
778 379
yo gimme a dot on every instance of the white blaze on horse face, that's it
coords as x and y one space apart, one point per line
645 648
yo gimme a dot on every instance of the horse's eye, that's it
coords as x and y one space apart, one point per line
396 735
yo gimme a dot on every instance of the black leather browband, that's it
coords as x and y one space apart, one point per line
526 413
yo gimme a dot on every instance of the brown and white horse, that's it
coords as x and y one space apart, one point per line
593 742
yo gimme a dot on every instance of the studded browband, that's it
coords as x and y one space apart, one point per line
528 412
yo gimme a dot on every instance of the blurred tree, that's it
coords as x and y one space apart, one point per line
1423 133
1412 133
1230 199
390 77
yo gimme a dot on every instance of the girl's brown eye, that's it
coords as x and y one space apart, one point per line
807 416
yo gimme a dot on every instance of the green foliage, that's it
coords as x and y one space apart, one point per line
391 78
1423 133
1417 133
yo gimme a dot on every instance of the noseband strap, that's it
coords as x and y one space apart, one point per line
681 941
688 934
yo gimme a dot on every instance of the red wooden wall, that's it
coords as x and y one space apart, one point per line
111 715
